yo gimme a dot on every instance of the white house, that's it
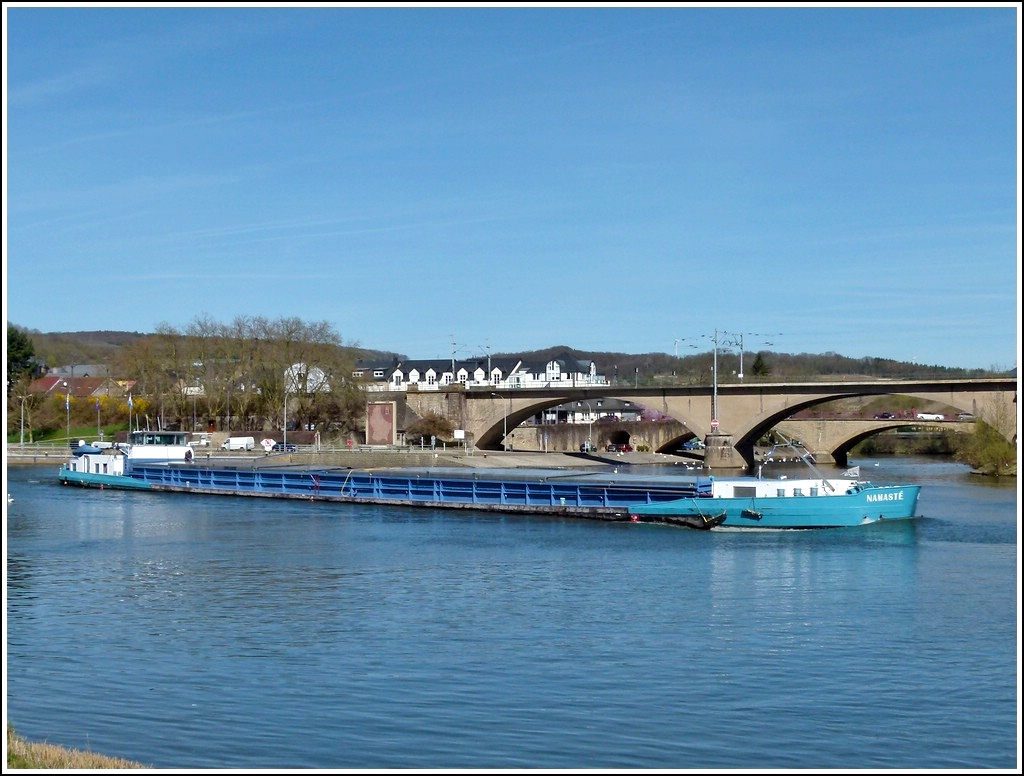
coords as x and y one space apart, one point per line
500 373
305 379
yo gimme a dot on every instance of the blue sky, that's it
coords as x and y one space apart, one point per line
832 179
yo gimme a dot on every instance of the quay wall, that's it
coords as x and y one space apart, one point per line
357 458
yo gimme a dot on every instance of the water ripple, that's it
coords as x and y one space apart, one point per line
200 632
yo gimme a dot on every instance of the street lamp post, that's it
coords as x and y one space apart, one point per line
714 371
690 344
714 389
67 407
739 342
453 357
284 442
740 375
488 349
714 382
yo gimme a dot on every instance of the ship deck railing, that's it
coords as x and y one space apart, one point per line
411 488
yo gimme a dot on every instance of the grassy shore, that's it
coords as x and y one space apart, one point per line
22 754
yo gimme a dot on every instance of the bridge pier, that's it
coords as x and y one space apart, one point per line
825 457
720 454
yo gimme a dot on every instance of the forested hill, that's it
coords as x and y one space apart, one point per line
779 366
80 347
101 347
63 348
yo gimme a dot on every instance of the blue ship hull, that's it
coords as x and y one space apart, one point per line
90 480
551 495
862 506
692 504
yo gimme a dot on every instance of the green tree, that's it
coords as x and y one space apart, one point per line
987 449
21 356
430 425
760 368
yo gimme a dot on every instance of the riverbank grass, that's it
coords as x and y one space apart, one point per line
22 754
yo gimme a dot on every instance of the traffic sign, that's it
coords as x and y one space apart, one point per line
714 423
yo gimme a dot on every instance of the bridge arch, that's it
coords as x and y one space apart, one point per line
499 421
841 440
746 411
833 439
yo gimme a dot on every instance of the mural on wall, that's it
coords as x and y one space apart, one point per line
381 418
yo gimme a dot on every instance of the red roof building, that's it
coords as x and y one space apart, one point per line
78 387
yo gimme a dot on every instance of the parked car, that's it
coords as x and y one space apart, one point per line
612 448
588 447
884 416
626 448
965 416
280 447
693 444
238 443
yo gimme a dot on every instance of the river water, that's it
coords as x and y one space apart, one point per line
242 633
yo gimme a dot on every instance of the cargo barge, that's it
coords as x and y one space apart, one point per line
163 462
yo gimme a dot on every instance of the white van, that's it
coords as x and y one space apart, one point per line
238 443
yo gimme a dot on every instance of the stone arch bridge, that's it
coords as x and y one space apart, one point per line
746 411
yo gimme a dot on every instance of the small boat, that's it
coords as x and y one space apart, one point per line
809 502
102 466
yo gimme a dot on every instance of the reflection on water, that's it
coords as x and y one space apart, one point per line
217 632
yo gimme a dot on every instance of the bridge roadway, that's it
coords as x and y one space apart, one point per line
746 411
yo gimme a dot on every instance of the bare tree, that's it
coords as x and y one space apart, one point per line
244 370
22 407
